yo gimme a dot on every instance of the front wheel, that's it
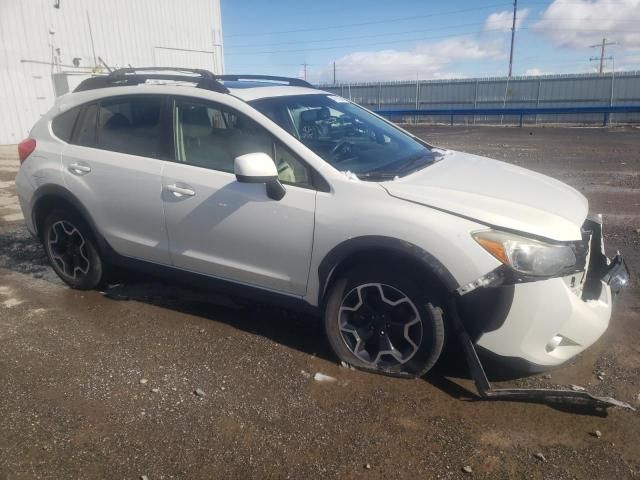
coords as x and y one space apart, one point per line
385 321
71 250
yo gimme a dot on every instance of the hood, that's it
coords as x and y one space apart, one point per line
497 194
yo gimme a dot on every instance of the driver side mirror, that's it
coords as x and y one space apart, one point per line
259 168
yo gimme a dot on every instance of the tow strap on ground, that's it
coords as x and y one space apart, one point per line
542 395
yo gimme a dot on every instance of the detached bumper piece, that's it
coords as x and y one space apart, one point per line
617 275
539 395
613 272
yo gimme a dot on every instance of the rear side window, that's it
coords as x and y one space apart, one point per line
85 131
131 125
63 124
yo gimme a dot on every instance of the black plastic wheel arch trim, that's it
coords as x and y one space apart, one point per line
373 243
53 192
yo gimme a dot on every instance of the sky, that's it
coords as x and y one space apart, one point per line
375 40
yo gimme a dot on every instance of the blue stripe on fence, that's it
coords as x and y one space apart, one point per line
518 112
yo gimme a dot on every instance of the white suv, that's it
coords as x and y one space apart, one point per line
269 188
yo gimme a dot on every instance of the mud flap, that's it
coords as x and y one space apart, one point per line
541 395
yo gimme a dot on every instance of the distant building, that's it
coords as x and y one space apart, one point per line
48 46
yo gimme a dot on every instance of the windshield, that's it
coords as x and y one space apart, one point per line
346 135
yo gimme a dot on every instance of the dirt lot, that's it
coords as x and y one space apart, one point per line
73 403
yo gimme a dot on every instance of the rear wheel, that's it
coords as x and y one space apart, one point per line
71 250
382 320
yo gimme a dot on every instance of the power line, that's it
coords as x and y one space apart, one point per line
531 59
388 42
349 46
355 37
468 32
376 22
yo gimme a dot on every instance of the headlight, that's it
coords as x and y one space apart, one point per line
525 255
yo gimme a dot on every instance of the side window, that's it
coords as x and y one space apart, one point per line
62 125
212 136
131 125
291 170
85 131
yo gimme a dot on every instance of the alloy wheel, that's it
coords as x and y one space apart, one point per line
380 325
68 249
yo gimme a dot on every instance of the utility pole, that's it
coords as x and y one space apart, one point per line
601 58
305 70
334 73
513 35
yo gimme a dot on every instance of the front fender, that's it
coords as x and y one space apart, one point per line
381 245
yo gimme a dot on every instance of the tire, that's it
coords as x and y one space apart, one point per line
359 314
71 249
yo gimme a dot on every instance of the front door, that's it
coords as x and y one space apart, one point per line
231 230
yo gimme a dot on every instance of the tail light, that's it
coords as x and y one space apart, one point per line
26 148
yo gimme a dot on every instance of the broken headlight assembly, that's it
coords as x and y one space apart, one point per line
528 256
525 259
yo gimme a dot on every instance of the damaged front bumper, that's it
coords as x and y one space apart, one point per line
547 321
540 395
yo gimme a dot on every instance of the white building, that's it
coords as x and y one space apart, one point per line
48 46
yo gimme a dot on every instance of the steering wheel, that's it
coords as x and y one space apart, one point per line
341 148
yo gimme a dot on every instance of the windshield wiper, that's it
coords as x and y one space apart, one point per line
378 175
412 164
408 165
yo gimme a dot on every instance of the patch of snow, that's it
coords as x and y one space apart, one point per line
12 302
321 377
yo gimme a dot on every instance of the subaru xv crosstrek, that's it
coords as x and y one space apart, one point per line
268 188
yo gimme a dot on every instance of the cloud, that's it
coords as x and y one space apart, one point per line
580 23
535 72
426 61
502 21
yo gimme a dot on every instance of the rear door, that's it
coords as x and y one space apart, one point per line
114 166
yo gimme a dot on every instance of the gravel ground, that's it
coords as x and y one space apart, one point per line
102 384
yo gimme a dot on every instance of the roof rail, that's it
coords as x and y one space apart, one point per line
136 76
294 82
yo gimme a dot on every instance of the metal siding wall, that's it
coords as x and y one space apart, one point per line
124 32
545 91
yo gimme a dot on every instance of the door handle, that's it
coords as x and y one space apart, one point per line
79 168
180 191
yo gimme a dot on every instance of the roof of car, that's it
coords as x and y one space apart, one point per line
258 92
